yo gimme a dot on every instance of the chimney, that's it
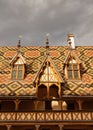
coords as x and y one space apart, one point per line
71 42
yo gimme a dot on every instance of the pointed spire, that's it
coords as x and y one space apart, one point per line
47 44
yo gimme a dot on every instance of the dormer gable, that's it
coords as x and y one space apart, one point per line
18 59
18 66
48 80
48 72
72 57
72 66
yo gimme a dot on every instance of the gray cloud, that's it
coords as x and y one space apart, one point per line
34 18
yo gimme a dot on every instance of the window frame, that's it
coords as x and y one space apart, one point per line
16 68
73 70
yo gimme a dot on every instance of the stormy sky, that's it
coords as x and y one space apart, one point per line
33 19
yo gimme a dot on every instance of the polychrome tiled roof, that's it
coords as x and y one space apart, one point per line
34 56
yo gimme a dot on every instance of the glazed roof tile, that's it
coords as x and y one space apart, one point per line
34 56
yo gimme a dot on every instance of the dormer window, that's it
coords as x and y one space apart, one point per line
72 66
18 71
73 70
18 66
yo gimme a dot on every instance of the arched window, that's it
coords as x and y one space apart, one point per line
53 91
42 91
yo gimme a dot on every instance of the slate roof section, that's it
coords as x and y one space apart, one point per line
34 56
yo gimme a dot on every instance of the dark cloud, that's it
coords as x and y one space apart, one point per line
34 18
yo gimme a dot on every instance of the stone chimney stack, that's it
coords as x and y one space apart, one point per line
71 42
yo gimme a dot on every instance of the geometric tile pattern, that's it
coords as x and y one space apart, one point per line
13 86
34 57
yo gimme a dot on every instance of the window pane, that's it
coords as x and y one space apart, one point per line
76 74
14 74
75 66
70 74
20 74
20 67
15 67
69 66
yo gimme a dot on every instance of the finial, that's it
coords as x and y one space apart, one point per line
47 44
47 41
19 42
